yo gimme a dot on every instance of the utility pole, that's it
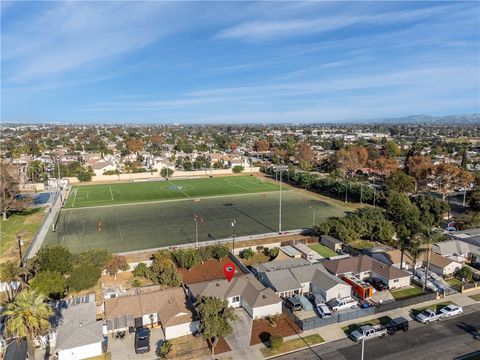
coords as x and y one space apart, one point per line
363 345
20 243
280 168
233 235
361 193
346 192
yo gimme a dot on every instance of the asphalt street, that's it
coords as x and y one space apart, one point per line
446 339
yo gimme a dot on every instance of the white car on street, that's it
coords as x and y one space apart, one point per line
452 310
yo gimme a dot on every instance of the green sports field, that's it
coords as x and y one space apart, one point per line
123 193
140 219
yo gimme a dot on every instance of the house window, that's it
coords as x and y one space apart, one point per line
396 280
296 292
236 299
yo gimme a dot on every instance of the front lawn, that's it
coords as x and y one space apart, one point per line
406 293
475 297
294 344
454 283
434 307
384 320
322 250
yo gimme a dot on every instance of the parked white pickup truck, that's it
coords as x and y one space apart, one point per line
428 315
343 303
368 332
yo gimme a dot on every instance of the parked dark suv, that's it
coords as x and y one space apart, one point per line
397 324
142 340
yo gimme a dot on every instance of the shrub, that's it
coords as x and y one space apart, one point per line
237 169
116 264
220 251
273 319
136 283
97 257
164 349
273 252
247 253
260 248
55 258
276 342
111 172
84 177
206 253
465 273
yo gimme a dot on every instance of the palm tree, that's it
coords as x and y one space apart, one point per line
428 238
27 317
10 272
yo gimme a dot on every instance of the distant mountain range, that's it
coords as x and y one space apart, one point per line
459 119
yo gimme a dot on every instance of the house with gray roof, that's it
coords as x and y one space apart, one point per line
279 265
77 333
305 279
456 249
242 291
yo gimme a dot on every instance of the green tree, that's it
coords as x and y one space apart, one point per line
142 270
215 316
163 269
54 258
464 162
84 276
97 257
237 169
166 172
10 272
474 200
402 211
186 258
465 273
84 176
400 182
50 283
432 210
27 317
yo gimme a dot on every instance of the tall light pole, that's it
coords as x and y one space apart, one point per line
280 168
313 216
233 235
363 345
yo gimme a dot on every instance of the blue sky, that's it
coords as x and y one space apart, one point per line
237 62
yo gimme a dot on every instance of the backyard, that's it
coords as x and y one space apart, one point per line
322 250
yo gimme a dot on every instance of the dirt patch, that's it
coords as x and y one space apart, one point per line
210 270
188 348
222 347
123 280
262 330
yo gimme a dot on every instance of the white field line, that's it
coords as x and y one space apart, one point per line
75 197
111 194
174 200
183 192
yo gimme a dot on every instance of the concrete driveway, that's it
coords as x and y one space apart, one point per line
125 349
239 340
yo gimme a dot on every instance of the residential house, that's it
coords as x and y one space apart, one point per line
301 279
331 242
456 249
169 308
394 258
77 333
242 291
308 253
102 166
441 265
364 266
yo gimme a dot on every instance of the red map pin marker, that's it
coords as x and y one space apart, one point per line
229 270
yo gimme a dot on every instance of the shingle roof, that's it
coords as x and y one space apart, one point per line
171 305
363 263
283 264
246 286
76 324
453 247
